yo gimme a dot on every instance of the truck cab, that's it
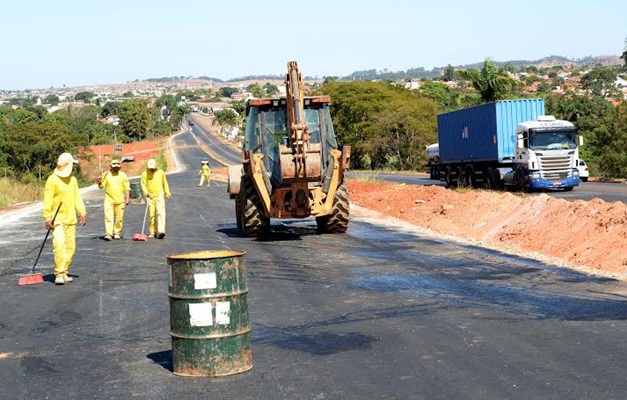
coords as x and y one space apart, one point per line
546 153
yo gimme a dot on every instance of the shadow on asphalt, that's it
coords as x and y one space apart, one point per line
283 231
163 358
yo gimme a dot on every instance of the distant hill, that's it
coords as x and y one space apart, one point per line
551 61
179 79
420 73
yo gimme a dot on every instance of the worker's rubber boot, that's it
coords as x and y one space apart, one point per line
67 278
59 280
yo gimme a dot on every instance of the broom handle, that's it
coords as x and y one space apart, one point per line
46 238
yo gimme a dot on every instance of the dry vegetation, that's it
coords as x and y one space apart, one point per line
13 192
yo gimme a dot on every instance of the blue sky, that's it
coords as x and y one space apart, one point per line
75 43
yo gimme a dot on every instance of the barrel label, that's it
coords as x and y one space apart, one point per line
205 281
200 314
223 312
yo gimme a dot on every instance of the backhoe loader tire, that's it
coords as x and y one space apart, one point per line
337 220
252 220
238 213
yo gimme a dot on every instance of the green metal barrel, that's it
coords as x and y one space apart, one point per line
136 190
209 322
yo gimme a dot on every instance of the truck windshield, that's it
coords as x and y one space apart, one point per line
552 140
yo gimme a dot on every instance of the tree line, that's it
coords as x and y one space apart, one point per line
31 138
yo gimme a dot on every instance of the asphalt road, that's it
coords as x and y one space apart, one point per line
381 312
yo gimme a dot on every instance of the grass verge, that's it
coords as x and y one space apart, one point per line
14 192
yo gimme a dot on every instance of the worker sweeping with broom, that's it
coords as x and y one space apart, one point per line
61 197
117 196
156 190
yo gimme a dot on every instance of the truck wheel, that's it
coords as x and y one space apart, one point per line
461 179
520 180
450 182
337 220
488 178
252 220
497 180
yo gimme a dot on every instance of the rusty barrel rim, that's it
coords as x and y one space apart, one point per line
207 255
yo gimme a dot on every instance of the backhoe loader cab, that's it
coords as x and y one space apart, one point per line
292 166
267 132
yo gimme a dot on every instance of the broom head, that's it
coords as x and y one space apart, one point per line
140 237
30 279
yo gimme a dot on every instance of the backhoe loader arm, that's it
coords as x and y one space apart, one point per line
299 135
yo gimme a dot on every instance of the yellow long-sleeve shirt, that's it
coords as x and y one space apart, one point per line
204 170
64 190
154 183
116 185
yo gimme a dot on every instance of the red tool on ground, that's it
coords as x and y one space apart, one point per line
141 237
33 278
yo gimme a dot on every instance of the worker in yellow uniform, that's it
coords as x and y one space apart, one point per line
156 190
117 196
204 173
62 201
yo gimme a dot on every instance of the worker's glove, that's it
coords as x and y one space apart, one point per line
49 224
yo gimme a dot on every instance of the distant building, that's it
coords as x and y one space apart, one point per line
111 119
241 96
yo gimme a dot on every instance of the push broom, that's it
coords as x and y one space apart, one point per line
33 278
141 237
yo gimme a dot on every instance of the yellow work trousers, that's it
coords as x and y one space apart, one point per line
202 180
156 213
63 247
113 218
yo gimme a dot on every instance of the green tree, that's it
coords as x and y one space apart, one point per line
531 79
608 141
84 96
177 115
239 106
490 82
32 149
385 125
449 74
226 117
270 89
544 87
228 91
256 90
601 81
110 108
135 118
51 99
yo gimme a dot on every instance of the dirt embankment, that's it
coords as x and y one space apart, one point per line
586 235
96 159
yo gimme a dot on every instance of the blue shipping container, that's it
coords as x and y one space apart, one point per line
486 132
